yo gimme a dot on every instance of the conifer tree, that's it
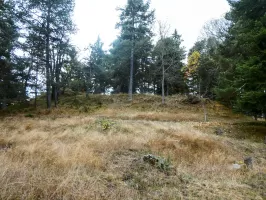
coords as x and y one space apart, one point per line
135 24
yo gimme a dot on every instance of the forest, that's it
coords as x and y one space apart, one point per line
226 64
144 119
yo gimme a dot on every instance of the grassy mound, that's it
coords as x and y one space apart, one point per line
97 152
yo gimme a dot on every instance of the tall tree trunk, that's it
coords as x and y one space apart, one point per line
205 110
47 63
57 70
57 79
142 84
89 83
57 88
87 91
167 89
55 95
36 86
130 91
199 86
163 96
28 77
53 68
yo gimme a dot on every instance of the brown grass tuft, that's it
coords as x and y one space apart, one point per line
63 154
188 149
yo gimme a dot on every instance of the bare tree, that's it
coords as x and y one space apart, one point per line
215 28
168 52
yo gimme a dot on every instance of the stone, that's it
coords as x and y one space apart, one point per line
159 162
249 162
219 131
150 159
236 166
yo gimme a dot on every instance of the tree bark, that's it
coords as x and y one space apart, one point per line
205 111
163 96
47 60
28 77
36 85
57 78
167 89
199 86
130 91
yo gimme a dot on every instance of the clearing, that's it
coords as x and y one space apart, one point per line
93 148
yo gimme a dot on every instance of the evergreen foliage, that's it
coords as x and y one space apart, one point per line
227 63
243 79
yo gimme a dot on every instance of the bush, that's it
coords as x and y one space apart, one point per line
161 163
29 115
105 124
192 99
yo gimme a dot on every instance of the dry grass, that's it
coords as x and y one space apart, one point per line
61 155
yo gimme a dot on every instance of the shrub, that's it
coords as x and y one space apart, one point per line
161 163
29 115
105 124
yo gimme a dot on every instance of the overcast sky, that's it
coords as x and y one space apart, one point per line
98 17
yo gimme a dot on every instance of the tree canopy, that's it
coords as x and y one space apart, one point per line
227 63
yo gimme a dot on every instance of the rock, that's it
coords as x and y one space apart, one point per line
236 166
159 162
219 131
249 162
151 159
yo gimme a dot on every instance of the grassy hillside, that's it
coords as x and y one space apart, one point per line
93 148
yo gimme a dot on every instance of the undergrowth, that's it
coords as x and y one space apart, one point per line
103 147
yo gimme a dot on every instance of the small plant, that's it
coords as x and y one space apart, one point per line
161 163
29 115
105 124
185 178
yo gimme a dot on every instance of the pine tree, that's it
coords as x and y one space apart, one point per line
135 24
244 47
95 68
50 23
9 86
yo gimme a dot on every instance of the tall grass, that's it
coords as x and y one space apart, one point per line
57 155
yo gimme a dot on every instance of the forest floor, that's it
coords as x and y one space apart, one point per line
93 148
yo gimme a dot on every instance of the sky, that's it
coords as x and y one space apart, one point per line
95 18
